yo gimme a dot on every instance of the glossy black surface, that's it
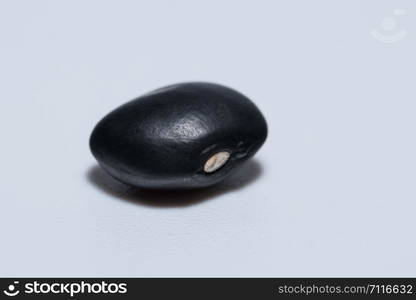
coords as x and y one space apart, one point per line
163 139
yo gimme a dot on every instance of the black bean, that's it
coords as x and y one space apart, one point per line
187 135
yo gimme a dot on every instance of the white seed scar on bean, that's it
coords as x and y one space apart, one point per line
216 161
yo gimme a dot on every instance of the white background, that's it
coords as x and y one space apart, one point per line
331 193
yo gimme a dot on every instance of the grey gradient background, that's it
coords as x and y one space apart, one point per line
331 193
